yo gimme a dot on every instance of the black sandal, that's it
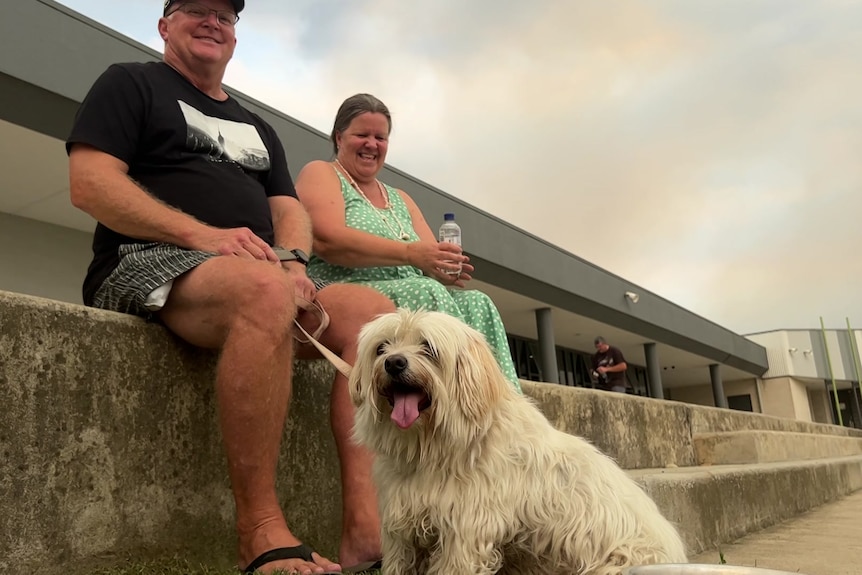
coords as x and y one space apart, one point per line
299 552
363 567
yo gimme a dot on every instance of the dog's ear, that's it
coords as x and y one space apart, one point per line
360 365
354 385
479 383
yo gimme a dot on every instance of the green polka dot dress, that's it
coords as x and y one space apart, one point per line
406 285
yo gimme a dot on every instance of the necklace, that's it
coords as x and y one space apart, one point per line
381 212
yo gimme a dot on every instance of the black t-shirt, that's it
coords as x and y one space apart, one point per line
211 159
613 356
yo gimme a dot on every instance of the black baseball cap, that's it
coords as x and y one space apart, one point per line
238 5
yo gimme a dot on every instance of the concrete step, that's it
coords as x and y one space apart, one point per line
824 541
713 505
761 446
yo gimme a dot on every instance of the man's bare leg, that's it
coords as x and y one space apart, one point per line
350 307
246 309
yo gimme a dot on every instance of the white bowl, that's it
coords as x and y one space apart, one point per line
700 569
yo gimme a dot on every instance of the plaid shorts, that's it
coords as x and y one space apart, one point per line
144 268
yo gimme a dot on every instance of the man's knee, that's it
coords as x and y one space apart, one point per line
208 302
257 291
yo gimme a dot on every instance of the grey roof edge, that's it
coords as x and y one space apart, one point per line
648 318
780 329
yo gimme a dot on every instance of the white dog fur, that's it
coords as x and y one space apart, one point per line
473 479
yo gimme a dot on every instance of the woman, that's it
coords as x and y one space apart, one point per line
369 233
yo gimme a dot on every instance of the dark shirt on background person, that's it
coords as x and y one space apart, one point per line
609 366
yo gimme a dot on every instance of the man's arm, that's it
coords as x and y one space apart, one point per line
291 223
616 368
100 185
619 361
292 228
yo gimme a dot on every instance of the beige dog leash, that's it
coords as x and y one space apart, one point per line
341 365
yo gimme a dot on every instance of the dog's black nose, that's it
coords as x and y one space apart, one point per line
395 364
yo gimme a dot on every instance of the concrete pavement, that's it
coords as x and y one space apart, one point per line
824 541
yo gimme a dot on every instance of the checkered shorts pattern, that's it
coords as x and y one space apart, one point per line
145 267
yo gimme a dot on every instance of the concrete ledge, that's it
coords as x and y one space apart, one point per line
110 443
110 447
753 446
637 432
718 504
709 419
650 433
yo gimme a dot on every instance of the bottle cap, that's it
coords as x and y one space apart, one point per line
449 217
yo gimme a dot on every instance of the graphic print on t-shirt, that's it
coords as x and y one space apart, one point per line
224 140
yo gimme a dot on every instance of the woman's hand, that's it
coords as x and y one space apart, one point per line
440 260
460 280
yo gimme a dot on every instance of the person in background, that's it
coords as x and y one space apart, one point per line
367 232
609 366
193 196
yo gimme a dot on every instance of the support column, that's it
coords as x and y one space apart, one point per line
653 371
547 346
855 404
717 386
834 410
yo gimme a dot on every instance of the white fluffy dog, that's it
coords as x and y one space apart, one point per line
473 479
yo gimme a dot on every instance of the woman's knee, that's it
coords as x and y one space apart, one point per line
354 304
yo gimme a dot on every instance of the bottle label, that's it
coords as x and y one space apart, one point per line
450 233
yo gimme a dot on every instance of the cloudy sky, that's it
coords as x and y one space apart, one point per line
709 151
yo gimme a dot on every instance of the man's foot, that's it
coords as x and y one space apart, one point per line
283 553
269 537
364 567
359 550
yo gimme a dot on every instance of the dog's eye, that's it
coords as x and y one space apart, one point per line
429 350
381 349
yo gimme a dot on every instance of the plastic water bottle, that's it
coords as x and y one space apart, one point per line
450 232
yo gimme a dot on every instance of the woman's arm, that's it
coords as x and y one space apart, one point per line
450 251
319 190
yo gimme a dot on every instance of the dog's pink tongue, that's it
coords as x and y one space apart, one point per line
405 409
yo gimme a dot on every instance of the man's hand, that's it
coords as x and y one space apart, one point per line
304 286
240 242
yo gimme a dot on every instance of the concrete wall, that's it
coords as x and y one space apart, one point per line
821 405
111 448
702 394
744 387
801 406
42 259
695 394
110 442
786 397
810 353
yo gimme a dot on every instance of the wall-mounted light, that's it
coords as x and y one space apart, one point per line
793 350
633 297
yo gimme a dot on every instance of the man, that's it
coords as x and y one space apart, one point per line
192 192
609 366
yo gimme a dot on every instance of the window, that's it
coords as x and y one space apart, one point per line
740 402
573 366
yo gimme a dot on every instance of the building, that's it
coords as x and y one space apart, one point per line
553 302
